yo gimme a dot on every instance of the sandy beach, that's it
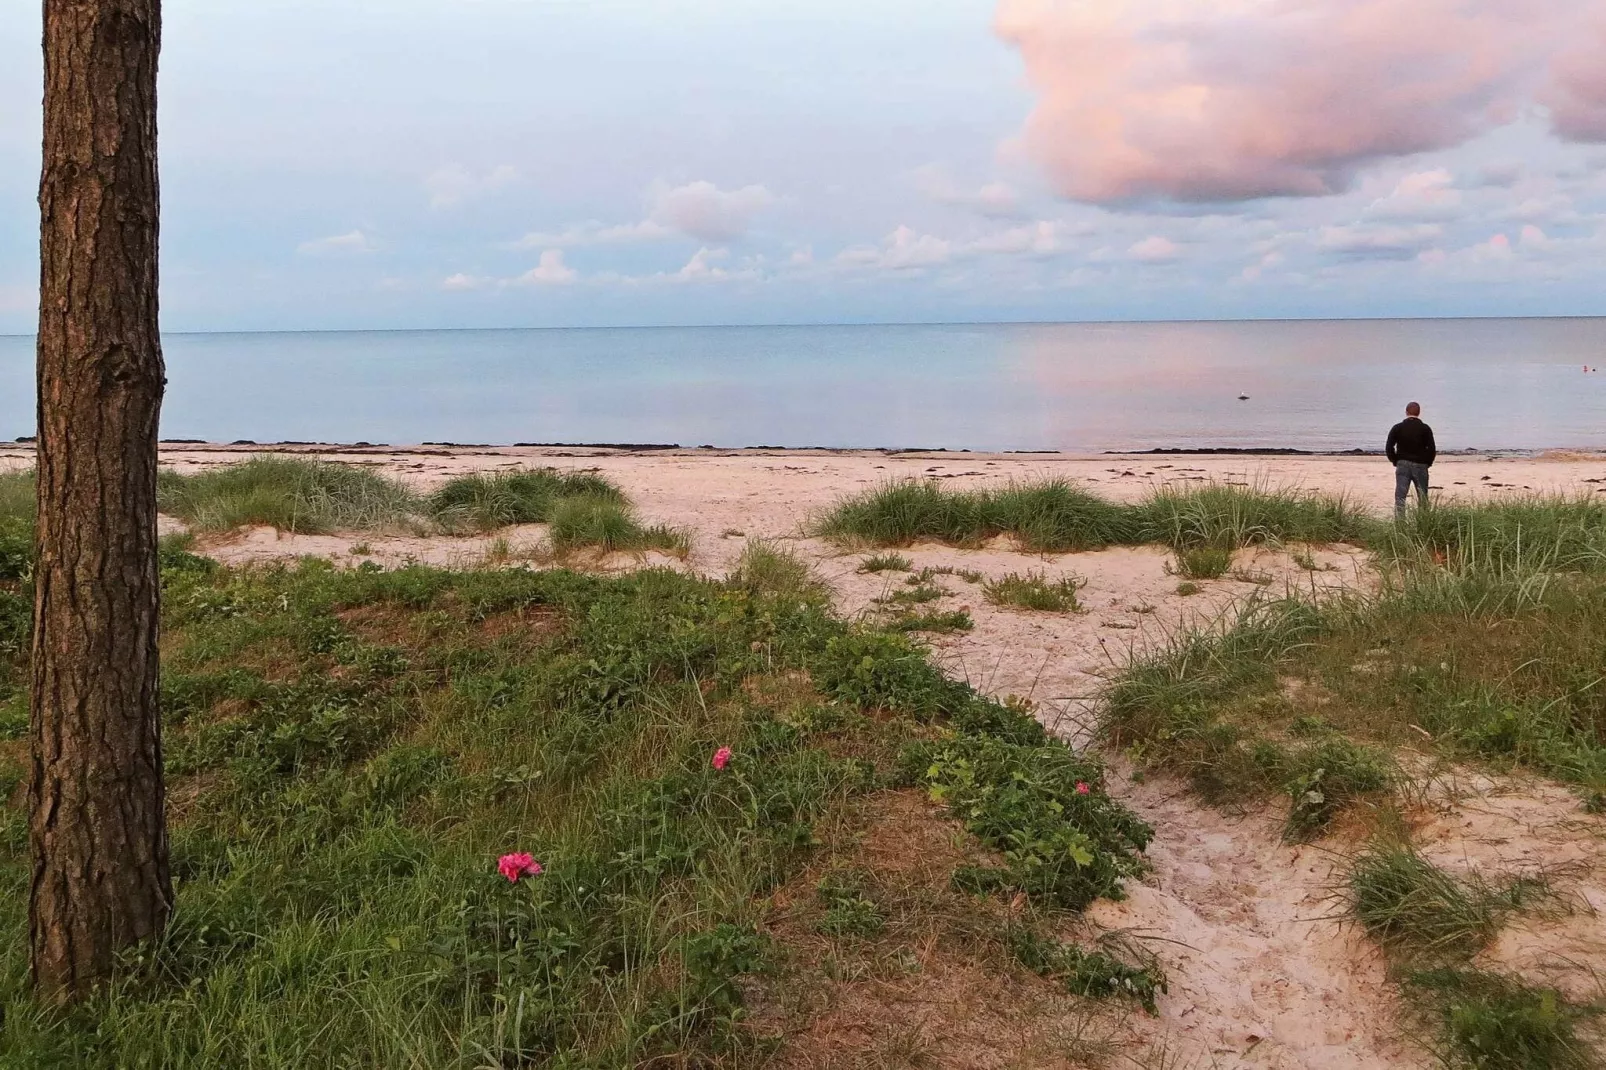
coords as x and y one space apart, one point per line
1262 975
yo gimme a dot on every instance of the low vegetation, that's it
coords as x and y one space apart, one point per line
313 497
289 493
1034 590
486 502
1474 649
511 817
1055 515
1202 562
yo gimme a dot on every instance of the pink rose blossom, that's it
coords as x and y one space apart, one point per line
518 865
1082 788
722 757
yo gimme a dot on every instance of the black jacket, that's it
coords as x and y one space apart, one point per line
1411 440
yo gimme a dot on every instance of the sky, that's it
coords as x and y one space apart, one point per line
508 163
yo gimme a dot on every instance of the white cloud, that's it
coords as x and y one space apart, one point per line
995 200
354 241
1037 239
699 210
1424 195
1154 249
551 271
1363 241
703 211
460 282
453 184
903 250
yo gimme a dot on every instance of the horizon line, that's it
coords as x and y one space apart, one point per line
882 323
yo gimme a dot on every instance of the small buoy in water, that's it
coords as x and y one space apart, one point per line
1243 397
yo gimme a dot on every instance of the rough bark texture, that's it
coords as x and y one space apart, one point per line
96 827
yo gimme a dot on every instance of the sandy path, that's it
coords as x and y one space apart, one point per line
1262 974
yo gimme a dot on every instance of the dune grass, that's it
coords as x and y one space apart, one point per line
1051 515
604 523
1034 590
16 525
1426 915
1201 562
1535 533
350 751
486 502
1055 515
311 496
294 494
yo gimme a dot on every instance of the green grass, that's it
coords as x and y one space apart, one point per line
1202 562
938 622
486 502
1045 516
607 525
1055 515
1487 1021
1034 590
1226 516
289 493
349 751
1537 533
1424 914
887 563
16 525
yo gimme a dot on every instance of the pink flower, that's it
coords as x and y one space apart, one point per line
518 865
1082 788
722 757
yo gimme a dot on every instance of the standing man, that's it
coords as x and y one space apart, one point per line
1411 451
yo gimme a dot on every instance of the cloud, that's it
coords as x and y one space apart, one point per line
1576 89
1424 195
703 211
699 210
995 200
1364 241
551 271
460 282
453 184
904 249
1154 250
1036 239
1229 100
354 241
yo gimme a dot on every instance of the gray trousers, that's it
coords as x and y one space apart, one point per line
1408 474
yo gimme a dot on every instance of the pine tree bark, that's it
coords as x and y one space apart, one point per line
97 831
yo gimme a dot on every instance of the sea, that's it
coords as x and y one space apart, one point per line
1329 385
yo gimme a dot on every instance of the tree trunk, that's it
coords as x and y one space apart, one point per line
97 831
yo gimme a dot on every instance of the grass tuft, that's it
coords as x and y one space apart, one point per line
294 494
485 502
1034 590
607 525
887 563
1202 562
1422 913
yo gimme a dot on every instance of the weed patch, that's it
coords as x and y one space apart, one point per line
1034 590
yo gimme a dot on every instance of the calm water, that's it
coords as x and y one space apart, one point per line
1323 385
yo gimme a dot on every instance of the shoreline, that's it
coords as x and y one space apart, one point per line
25 444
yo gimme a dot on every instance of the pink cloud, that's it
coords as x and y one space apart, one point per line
1576 88
1222 100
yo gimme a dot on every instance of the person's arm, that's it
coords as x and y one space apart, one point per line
1433 449
1392 447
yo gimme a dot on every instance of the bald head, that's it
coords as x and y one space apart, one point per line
1413 409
